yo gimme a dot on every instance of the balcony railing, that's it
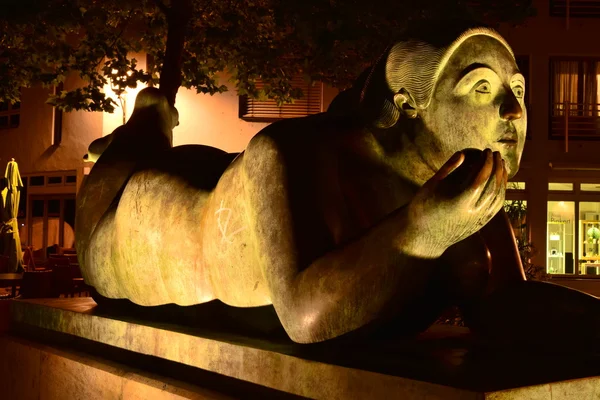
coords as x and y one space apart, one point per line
571 120
575 8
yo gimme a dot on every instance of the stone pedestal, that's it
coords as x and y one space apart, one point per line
50 340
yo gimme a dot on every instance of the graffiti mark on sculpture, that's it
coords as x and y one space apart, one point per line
223 223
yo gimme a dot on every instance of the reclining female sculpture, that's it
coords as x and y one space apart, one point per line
343 221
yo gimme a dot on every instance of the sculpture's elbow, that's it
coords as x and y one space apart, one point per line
307 326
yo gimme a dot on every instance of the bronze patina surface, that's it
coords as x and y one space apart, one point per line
347 222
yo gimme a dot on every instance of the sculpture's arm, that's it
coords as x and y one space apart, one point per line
372 277
506 261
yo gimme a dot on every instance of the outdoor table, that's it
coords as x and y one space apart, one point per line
11 279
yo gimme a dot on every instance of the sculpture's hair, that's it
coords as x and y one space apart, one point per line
413 64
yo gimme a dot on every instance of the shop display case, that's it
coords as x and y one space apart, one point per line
556 247
589 247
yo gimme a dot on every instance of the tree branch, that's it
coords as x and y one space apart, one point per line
170 76
162 7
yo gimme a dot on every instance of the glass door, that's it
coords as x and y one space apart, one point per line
589 238
560 237
51 224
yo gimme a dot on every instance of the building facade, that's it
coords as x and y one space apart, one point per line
558 185
560 171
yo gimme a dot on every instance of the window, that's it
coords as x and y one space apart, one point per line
560 236
23 199
590 187
575 98
268 111
515 207
40 183
57 116
560 187
10 115
52 222
581 8
515 186
573 231
54 180
36 180
589 238
516 210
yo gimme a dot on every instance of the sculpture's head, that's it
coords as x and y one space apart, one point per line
153 111
452 88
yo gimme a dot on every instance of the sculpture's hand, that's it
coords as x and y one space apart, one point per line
456 202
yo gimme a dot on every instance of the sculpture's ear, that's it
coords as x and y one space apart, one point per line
405 103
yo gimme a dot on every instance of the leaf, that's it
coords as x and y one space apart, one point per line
328 40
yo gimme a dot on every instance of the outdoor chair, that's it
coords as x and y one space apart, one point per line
36 284
67 251
75 270
4 260
62 281
28 261
56 260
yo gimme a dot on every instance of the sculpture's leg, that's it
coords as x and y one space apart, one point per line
537 315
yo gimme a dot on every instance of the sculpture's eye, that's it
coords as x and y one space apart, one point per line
519 92
483 87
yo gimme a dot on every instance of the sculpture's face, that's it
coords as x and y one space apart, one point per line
478 102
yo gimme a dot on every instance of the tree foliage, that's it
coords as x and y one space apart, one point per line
271 40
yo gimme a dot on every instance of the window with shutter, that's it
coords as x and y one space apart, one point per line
269 111
10 115
575 98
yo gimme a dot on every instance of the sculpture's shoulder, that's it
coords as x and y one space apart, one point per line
298 139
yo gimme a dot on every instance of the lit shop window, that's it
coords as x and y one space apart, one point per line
517 215
560 187
515 207
590 187
560 237
516 186
589 238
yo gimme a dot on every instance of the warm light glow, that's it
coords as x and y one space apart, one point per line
110 122
554 237
114 120
561 203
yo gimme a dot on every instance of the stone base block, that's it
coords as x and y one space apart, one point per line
30 370
439 364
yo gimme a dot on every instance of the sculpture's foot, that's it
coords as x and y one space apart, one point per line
538 316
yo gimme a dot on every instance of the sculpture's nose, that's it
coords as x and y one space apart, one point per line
510 108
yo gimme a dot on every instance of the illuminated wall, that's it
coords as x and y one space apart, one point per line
203 119
31 144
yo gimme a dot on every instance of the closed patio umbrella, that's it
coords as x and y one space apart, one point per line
9 227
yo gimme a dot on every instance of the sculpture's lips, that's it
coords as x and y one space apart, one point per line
510 137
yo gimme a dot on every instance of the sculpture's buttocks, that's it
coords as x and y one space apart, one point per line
174 240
